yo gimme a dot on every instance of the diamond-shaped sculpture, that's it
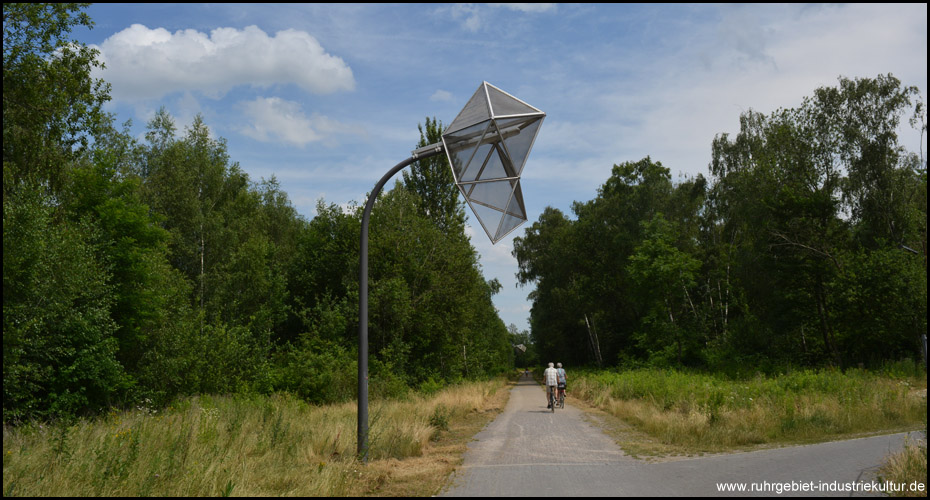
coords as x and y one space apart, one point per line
487 145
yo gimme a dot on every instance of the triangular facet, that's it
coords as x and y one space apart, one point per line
496 166
495 194
475 110
460 147
503 103
489 218
499 164
518 145
514 215
474 168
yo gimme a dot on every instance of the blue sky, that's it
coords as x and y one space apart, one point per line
327 97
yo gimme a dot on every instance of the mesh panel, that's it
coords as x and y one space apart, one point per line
461 145
489 218
519 145
494 194
494 168
475 110
503 103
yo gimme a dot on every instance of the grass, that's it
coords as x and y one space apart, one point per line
907 469
252 446
281 446
687 413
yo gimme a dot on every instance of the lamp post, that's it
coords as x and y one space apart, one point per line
487 145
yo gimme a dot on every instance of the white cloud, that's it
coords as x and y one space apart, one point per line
527 7
441 95
278 120
143 63
475 14
471 13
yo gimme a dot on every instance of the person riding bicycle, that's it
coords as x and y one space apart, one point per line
551 377
562 378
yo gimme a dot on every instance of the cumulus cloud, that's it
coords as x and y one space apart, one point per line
143 63
273 119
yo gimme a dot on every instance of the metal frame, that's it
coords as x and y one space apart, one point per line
492 133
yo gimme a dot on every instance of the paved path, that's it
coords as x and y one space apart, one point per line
509 459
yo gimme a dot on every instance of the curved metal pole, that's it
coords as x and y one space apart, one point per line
363 302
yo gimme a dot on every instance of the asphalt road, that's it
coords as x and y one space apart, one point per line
510 458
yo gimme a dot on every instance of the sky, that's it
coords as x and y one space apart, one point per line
327 97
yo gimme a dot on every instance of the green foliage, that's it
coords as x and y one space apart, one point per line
440 418
792 254
430 386
431 179
430 310
58 344
874 331
52 108
668 277
318 372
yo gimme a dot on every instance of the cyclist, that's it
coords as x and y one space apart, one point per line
562 379
551 378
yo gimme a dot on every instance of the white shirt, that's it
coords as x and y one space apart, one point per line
551 376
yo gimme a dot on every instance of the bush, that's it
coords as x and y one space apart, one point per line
59 349
316 371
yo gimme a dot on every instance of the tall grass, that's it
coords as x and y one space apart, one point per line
222 446
907 467
709 413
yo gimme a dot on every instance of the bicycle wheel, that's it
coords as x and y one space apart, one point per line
561 399
552 401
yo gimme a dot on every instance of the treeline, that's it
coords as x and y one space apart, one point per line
805 246
146 270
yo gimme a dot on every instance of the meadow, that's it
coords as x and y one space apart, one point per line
251 446
700 412
281 445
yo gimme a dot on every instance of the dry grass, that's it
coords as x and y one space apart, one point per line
262 446
908 468
673 413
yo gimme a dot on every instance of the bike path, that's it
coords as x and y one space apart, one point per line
529 451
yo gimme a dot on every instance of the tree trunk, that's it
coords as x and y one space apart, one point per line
828 338
201 277
595 343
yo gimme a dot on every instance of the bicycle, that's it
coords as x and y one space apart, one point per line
562 396
552 403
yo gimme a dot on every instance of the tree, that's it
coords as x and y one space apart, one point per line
431 179
856 124
584 306
52 108
429 301
667 277
781 192
547 256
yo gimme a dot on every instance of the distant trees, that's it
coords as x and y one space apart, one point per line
792 253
